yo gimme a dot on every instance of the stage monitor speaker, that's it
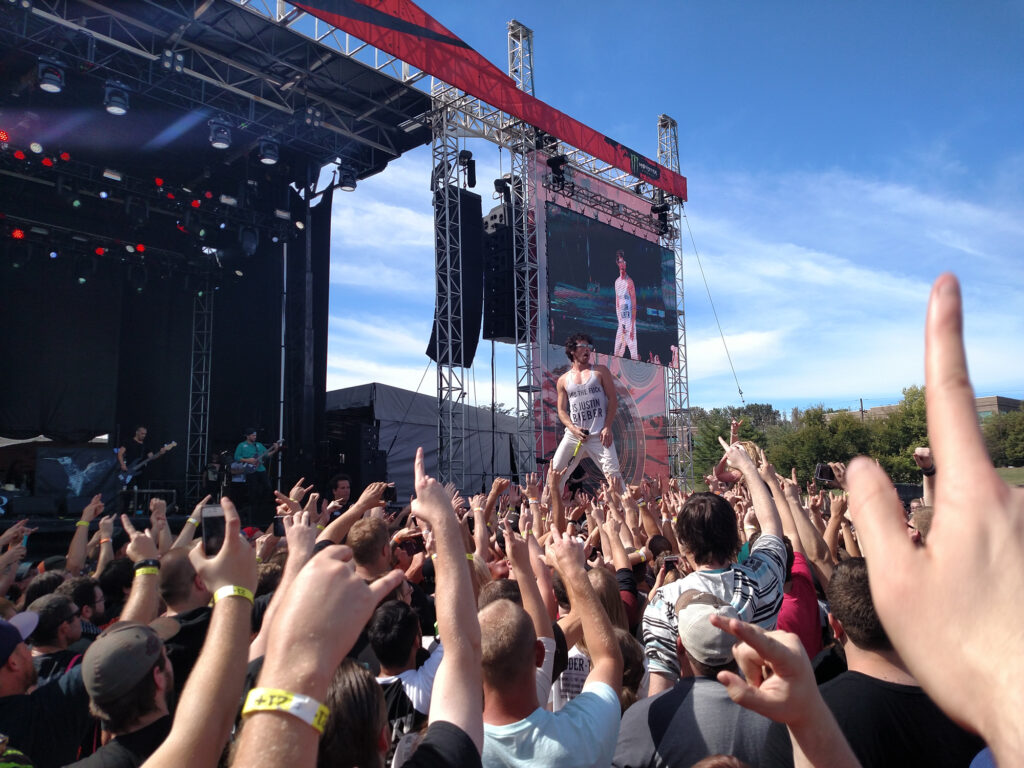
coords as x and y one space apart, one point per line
499 285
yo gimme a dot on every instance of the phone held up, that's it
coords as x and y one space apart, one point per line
213 523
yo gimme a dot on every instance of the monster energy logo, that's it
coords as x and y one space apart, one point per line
642 167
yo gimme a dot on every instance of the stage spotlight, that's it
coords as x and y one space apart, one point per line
503 188
268 151
228 200
36 147
115 97
275 238
557 165
300 224
83 268
466 161
50 73
172 60
346 178
4 136
313 116
249 239
104 194
220 133
54 254
47 161
282 214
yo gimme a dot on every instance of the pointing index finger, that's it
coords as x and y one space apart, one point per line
952 417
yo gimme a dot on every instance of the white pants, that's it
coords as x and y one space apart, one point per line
604 456
622 341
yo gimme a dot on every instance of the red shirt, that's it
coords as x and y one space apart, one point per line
799 612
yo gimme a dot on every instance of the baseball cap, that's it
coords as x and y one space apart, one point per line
118 659
703 640
15 631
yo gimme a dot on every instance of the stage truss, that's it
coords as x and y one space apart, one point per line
457 114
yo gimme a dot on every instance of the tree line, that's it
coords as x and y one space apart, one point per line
815 434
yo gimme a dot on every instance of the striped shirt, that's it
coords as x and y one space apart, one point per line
754 589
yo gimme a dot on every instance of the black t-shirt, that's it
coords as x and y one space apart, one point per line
886 724
444 745
50 723
129 750
134 451
183 649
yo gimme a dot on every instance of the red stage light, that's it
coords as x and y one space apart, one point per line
19 155
65 156
4 136
140 248
18 234
170 195
196 203
100 250
158 181
47 162
208 195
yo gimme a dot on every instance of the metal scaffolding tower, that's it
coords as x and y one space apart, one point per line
199 392
451 412
680 453
524 255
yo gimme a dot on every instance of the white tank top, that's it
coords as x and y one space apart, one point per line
622 300
588 403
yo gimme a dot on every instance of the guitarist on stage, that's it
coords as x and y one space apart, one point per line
254 453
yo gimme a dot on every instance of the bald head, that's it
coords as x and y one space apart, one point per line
508 644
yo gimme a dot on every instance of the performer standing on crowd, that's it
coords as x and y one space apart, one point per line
625 311
253 453
586 406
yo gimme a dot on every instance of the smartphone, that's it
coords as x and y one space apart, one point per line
279 526
212 517
24 541
390 493
824 475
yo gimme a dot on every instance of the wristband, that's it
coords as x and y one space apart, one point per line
320 526
657 498
258 559
148 571
151 563
104 541
193 521
533 501
749 527
641 503
307 709
86 522
230 591
930 472
478 509
643 554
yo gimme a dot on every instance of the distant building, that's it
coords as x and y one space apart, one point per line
985 406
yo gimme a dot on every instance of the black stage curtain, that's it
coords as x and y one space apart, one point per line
59 348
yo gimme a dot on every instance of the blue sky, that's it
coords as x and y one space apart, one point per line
839 158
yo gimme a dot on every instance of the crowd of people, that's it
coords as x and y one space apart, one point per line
755 624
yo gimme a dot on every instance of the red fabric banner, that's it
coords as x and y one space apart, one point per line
402 29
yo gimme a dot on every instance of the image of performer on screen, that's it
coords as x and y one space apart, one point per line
625 311
586 406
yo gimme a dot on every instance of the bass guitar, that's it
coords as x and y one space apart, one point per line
133 469
247 468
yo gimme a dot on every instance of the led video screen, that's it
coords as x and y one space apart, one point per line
614 286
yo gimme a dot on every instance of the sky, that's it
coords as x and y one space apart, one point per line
839 158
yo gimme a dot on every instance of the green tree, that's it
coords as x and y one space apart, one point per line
1004 437
899 433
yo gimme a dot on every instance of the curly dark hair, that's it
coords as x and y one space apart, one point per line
706 529
572 341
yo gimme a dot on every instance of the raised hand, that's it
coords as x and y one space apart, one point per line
923 458
565 553
941 602
234 565
433 501
95 507
286 505
142 545
298 492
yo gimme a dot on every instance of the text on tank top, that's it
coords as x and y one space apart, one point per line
587 401
623 300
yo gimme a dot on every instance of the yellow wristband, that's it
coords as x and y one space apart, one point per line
320 526
307 709
232 592
82 522
193 521
149 571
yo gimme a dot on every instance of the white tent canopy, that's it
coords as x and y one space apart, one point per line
408 420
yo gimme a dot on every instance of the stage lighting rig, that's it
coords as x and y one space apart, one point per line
268 151
466 161
115 97
346 178
50 73
557 165
220 133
